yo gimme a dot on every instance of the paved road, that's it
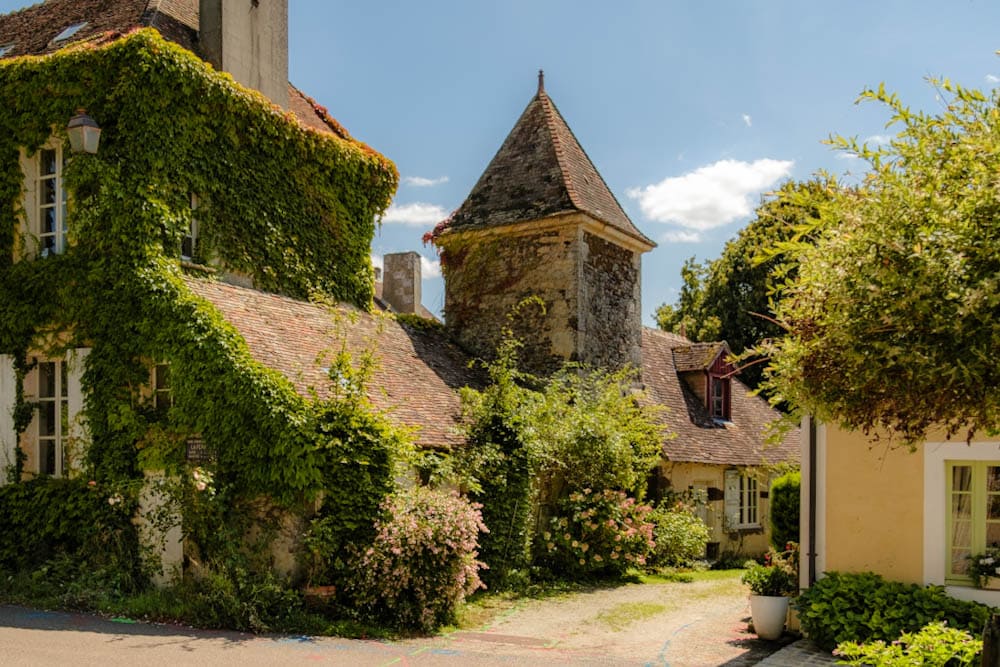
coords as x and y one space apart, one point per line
672 625
32 638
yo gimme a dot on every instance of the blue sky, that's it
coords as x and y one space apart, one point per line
690 110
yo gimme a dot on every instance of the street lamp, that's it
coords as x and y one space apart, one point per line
84 133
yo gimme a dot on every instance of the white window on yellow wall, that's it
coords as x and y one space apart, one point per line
742 500
56 431
45 202
973 497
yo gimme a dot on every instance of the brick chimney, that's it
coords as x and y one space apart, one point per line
248 39
401 281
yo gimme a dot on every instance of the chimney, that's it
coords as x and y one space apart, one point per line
248 39
401 281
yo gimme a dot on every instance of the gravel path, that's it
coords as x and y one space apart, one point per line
696 624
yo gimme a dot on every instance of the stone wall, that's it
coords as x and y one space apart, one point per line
488 275
589 287
610 319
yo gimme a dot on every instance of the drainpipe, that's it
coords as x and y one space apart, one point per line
812 503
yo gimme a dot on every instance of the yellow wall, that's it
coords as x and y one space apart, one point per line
874 507
684 475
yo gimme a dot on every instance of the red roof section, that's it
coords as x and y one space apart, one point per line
699 438
417 374
30 31
541 170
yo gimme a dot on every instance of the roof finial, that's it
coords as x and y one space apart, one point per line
541 82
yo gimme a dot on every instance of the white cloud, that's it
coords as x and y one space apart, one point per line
878 139
418 214
710 196
846 155
681 236
429 268
421 182
993 78
747 120
377 261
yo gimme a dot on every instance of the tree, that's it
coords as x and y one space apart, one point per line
891 321
730 298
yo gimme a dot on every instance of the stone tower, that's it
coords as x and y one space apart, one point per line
541 222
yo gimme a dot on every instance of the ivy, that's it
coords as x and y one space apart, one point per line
290 208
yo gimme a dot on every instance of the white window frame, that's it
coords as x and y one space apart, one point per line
936 508
59 403
69 429
35 205
742 500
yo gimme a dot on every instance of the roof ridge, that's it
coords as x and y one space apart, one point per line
550 110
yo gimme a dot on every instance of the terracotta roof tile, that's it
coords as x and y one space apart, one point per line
417 374
699 438
697 356
29 31
541 170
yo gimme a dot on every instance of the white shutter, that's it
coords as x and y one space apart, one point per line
8 396
78 437
29 169
732 499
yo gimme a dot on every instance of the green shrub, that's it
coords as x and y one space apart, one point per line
680 536
422 563
935 644
865 607
83 526
785 509
767 579
597 534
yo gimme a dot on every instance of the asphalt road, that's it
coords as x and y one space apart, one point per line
30 638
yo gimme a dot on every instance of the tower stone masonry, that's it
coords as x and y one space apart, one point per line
541 222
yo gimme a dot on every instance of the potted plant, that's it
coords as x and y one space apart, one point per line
770 584
985 569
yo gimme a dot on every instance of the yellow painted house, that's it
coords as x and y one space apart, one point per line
914 517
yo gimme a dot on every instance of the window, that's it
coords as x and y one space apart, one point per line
162 400
719 398
741 500
52 420
973 495
189 244
50 218
68 32
57 435
5 49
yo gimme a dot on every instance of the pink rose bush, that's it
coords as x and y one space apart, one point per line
597 533
423 561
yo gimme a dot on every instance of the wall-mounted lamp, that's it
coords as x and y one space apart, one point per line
84 133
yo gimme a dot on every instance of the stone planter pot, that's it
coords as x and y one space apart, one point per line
991 583
768 613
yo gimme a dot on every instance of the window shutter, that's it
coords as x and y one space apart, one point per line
78 437
8 393
732 499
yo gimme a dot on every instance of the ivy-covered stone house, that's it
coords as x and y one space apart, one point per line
541 222
200 288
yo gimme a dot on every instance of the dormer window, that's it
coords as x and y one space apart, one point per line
5 49
68 32
719 398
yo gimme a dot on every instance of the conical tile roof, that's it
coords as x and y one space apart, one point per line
539 171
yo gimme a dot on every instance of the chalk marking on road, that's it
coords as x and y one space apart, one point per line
661 658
